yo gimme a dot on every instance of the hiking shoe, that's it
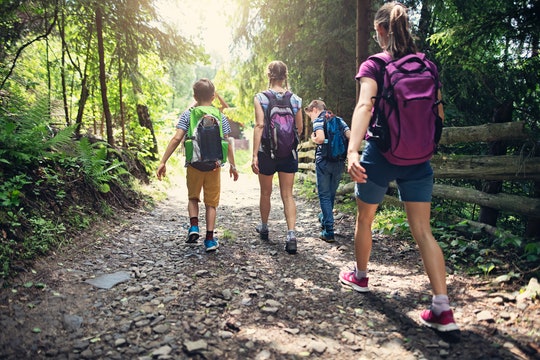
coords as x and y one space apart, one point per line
193 234
211 244
349 278
327 236
263 234
290 245
444 322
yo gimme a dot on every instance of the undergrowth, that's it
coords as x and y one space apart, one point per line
52 185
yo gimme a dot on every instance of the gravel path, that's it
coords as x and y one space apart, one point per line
250 299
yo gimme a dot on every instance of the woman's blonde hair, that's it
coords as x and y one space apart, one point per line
277 71
393 18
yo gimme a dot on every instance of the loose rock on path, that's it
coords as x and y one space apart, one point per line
133 289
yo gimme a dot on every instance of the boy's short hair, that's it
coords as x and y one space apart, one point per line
203 90
315 104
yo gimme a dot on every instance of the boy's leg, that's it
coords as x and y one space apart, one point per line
337 171
194 182
211 212
211 190
323 190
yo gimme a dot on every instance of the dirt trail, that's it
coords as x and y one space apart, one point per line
250 299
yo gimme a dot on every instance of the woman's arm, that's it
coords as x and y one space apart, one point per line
257 134
359 124
299 121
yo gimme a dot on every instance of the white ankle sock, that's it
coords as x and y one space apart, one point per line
440 303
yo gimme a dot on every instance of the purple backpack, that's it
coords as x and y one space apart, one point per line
280 136
405 123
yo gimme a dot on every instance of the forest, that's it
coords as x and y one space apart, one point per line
89 90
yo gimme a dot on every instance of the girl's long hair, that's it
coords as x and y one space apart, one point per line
393 18
277 71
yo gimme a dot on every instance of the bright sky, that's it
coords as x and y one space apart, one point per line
205 21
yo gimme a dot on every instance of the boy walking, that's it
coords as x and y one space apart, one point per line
201 174
329 166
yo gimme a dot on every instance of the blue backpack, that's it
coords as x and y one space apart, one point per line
280 136
405 124
335 144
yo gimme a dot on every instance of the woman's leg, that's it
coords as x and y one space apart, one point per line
365 213
265 182
286 182
418 215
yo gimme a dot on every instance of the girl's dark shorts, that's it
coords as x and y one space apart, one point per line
415 182
269 166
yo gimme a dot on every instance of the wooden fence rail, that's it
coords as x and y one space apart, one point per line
472 167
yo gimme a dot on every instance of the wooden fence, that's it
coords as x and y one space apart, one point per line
514 168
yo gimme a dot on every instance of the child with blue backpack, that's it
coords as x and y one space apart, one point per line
203 171
331 135
386 158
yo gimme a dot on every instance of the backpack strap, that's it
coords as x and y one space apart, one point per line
210 110
271 99
382 59
327 116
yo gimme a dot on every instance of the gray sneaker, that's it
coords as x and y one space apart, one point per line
263 234
290 245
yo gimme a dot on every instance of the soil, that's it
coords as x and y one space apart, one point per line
250 299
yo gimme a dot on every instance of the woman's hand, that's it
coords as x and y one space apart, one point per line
355 170
255 164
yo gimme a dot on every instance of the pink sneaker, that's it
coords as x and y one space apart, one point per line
349 278
443 322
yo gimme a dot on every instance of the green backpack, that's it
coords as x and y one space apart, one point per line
206 148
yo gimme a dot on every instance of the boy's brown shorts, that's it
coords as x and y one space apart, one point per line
208 181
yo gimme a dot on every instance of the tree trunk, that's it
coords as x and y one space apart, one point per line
145 121
102 77
121 96
364 25
63 66
424 25
490 215
85 92
82 102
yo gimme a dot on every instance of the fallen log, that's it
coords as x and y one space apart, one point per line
509 131
506 167
504 202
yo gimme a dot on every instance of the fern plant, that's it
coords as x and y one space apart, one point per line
97 169
26 138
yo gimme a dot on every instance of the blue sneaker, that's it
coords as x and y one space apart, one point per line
193 234
320 217
211 244
327 236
